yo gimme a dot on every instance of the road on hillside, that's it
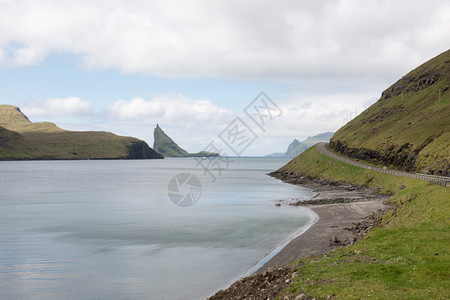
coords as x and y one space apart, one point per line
439 180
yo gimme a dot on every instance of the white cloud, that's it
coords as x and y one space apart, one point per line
306 115
58 108
246 39
170 108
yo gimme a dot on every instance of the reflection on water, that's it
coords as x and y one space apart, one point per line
106 229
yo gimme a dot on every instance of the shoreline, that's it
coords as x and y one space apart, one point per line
337 208
268 257
315 240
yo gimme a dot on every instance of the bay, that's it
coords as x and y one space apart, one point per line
108 230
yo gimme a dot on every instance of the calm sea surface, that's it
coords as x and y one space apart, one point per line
107 229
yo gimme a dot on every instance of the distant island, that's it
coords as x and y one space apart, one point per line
167 147
296 147
21 139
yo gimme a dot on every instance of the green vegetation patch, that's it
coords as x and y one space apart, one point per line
407 258
409 127
165 145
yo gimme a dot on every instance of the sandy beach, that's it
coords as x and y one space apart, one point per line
333 219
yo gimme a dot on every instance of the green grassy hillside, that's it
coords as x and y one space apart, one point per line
406 258
165 145
14 146
23 139
409 127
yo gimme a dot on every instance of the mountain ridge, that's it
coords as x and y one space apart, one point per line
408 128
296 147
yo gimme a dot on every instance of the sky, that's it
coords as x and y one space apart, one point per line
193 67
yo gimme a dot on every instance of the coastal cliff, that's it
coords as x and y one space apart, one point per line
21 139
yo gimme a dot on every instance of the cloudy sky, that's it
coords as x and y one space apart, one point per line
194 66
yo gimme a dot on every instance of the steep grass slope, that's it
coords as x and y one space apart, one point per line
165 145
14 146
409 126
406 258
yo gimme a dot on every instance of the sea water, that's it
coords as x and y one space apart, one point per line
108 230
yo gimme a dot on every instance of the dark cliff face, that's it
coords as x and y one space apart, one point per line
412 83
141 150
402 157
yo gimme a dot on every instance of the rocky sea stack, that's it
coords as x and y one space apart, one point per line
167 147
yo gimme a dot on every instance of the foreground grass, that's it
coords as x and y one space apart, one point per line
407 258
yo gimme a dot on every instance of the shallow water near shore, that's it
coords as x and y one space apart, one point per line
107 229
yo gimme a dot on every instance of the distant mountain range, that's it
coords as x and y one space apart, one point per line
167 147
20 139
296 147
